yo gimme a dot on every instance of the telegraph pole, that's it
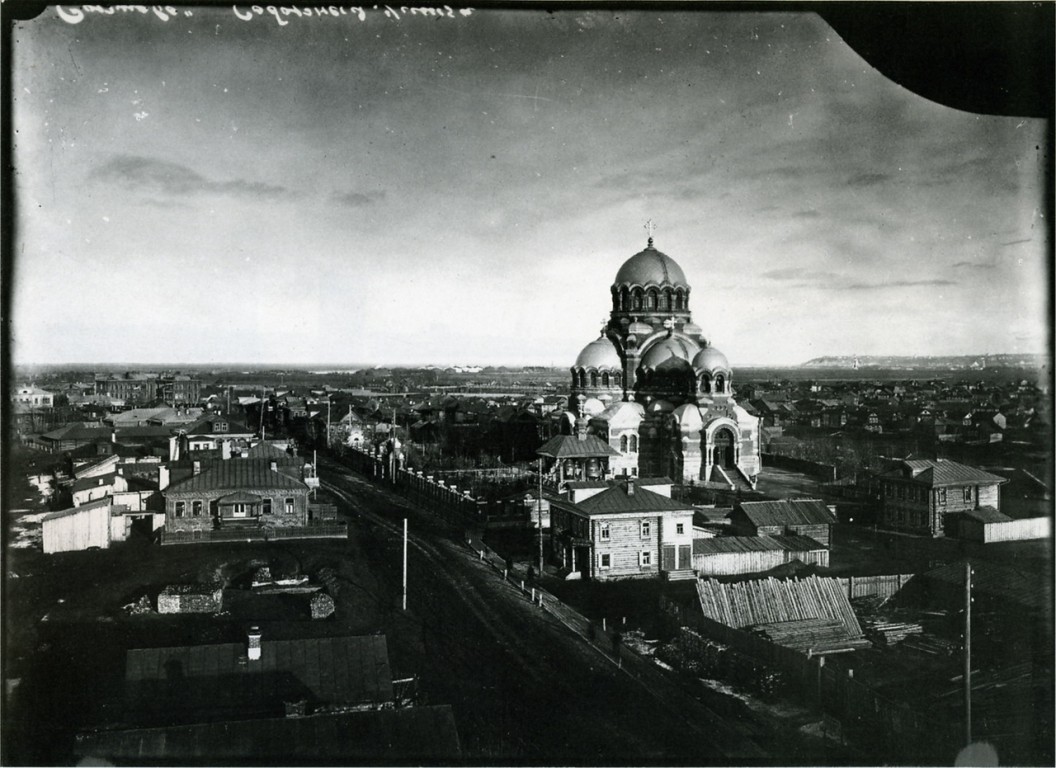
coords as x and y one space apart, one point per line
540 508
405 563
967 652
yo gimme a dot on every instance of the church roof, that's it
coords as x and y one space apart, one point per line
571 447
673 346
710 359
651 267
600 353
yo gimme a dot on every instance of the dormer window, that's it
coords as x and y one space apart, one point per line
220 426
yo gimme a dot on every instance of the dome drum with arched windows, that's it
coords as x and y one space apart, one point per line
651 356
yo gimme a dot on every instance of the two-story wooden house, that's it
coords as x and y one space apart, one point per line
623 529
926 496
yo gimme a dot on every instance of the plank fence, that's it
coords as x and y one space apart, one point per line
337 530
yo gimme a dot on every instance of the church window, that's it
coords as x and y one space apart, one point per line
665 301
605 379
705 383
637 298
623 444
720 384
593 378
634 443
650 299
616 378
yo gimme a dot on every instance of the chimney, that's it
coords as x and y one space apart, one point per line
225 450
163 477
113 434
196 468
174 448
253 646
630 486
274 466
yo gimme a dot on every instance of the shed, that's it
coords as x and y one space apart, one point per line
78 528
733 555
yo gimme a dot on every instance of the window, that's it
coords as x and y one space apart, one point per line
220 426
680 528
196 508
606 561
646 528
266 507
634 445
941 495
623 444
605 533
645 558
968 493
180 507
289 505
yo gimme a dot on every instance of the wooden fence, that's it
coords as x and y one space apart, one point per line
1017 530
329 531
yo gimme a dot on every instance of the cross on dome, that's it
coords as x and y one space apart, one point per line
604 326
669 324
650 227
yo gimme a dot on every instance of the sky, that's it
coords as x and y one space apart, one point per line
214 185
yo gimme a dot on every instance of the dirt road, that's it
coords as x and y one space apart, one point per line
524 687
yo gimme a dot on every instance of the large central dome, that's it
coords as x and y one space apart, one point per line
651 267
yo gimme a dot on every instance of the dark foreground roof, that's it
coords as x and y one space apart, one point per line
425 735
190 682
617 499
719 545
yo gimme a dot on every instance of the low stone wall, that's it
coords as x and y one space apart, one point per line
190 598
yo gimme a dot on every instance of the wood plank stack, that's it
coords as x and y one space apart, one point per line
888 633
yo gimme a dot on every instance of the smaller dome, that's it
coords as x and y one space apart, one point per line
710 359
672 346
600 353
592 406
688 417
692 330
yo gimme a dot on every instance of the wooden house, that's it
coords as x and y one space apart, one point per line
926 496
786 517
622 530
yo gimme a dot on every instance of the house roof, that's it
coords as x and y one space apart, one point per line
414 735
787 512
571 447
205 426
218 679
987 515
265 450
616 499
78 431
936 473
96 481
103 502
95 464
236 474
726 544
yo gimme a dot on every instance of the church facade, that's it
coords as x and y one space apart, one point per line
655 389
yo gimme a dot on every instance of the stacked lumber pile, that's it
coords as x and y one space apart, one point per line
784 607
888 633
815 635
931 645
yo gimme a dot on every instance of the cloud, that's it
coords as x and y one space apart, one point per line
811 213
867 179
353 199
161 177
796 273
974 265
894 284
1019 242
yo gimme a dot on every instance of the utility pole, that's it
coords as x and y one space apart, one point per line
405 563
540 508
328 421
967 652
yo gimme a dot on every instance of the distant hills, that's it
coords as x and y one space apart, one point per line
966 362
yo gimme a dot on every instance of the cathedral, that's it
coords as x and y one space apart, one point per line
655 391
